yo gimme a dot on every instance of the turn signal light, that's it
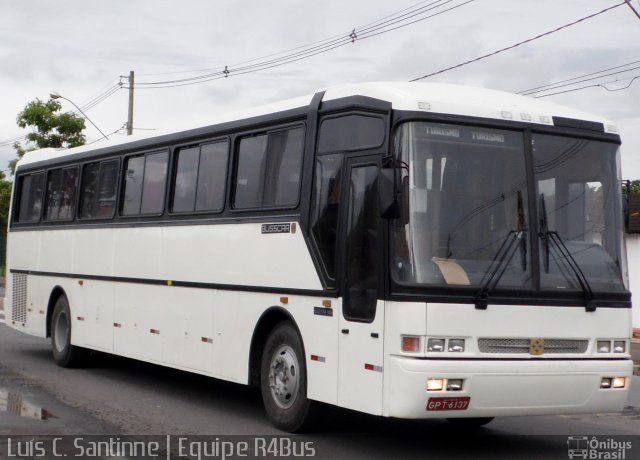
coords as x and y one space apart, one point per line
411 344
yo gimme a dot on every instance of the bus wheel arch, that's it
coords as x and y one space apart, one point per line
267 322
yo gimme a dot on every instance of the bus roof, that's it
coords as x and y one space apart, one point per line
411 96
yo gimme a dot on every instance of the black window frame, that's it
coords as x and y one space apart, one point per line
236 157
79 216
174 173
123 181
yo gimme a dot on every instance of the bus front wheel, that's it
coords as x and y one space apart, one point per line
64 354
283 379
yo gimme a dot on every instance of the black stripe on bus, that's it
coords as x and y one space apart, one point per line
190 284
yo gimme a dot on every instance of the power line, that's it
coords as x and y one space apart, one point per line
560 83
307 45
520 43
357 34
598 85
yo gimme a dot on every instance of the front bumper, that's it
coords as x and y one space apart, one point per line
506 387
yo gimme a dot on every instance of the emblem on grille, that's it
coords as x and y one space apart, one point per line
536 347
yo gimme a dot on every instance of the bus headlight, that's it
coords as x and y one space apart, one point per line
435 345
456 345
619 346
604 346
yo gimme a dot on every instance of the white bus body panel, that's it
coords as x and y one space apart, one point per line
504 383
200 329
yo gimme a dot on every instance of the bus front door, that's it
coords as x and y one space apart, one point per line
362 319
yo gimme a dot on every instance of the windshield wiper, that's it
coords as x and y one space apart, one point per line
503 257
499 265
547 236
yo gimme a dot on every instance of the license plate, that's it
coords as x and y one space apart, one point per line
457 403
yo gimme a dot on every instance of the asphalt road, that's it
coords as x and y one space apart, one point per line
122 396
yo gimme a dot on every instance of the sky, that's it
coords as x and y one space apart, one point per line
81 49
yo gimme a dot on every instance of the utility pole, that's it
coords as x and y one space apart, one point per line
130 114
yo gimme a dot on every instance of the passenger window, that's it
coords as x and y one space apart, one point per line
30 204
251 164
144 187
212 175
200 178
351 132
269 169
98 190
184 193
61 194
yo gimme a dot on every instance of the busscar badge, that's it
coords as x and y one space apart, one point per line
536 347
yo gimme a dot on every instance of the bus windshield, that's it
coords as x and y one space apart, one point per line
466 220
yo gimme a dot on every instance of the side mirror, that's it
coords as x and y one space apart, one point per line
389 205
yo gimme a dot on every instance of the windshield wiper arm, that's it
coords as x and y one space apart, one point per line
546 236
499 263
589 303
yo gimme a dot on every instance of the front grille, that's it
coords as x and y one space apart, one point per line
522 346
19 298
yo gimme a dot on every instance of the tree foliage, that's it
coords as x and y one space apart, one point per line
49 127
632 186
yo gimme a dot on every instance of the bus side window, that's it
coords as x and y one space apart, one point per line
60 198
269 169
145 181
30 203
351 132
200 178
212 174
98 190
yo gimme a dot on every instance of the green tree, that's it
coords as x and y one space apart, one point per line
49 127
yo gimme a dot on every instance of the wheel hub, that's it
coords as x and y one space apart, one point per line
283 376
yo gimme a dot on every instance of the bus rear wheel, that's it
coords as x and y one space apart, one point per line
283 379
65 354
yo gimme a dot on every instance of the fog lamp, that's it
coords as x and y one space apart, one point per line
454 385
435 384
619 382
605 383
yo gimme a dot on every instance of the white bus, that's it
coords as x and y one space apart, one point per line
408 250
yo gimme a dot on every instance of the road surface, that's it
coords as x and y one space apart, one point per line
117 395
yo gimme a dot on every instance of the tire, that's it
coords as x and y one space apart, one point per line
472 422
283 379
65 354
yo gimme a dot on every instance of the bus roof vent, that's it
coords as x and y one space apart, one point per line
563 122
